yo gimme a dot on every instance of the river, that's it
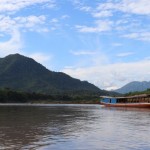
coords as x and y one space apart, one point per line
73 127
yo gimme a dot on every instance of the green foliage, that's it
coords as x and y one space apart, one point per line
138 93
10 96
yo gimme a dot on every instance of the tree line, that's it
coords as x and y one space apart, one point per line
10 96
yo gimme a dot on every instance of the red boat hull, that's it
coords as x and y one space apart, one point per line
135 105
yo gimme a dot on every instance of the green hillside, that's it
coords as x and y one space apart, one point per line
21 73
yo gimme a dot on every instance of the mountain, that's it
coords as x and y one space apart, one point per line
134 86
21 73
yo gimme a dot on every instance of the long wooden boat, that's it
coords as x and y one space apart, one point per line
137 101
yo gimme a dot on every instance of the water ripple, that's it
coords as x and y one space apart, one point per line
73 127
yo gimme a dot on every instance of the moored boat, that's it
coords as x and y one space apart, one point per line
138 101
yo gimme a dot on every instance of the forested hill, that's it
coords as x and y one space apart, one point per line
21 73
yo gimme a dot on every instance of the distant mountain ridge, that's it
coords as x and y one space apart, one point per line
18 72
133 87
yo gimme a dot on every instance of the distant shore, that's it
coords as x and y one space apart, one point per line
43 104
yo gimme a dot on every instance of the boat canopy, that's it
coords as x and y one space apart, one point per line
127 99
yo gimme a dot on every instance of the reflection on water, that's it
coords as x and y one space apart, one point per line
73 127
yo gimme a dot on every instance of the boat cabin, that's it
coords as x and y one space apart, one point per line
106 99
143 98
113 100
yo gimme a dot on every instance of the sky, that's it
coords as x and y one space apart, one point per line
105 42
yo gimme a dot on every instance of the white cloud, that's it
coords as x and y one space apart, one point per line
85 8
124 22
81 5
125 54
54 20
6 24
87 58
86 28
129 19
13 6
13 45
140 7
116 44
142 36
13 26
65 17
83 52
101 26
33 23
50 4
104 13
118 16
112 75
33 20
40 57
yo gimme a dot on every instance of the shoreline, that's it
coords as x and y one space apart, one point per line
43 104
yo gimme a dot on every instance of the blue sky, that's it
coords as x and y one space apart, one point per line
106 42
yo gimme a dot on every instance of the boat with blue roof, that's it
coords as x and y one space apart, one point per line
136 101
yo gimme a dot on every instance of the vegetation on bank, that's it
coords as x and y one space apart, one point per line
138 93
9 96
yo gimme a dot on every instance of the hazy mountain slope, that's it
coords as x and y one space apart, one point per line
134 86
